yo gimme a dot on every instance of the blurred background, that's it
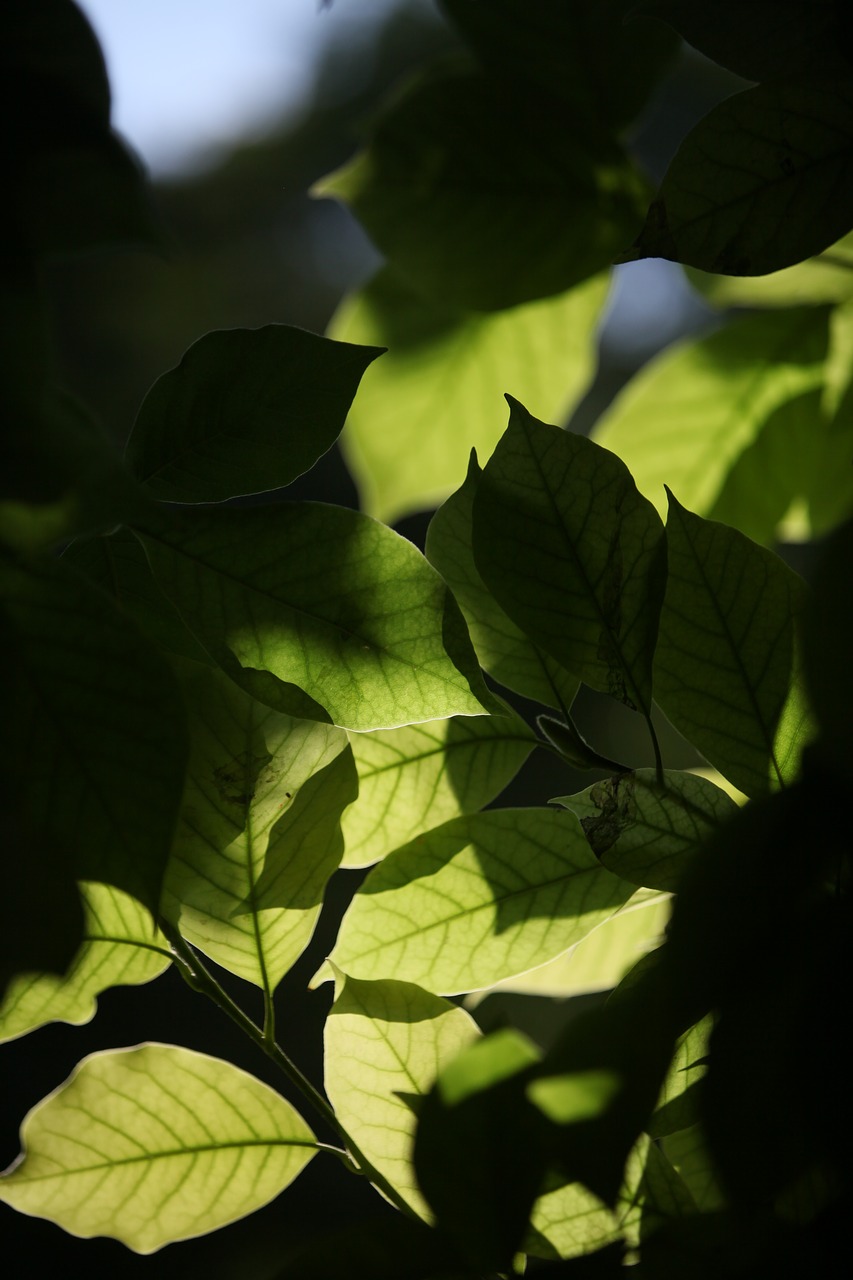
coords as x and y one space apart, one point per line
236 109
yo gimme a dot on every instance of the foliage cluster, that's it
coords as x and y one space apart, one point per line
213 702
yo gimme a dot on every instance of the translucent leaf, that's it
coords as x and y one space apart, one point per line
385 1043
259 834
726 671
324 599
685 419
573 553
501 647
677 1104
687 1149
155 1144
404 461
246 410
763 181
644 833
95 741
825 278
477 900
120 947
467 212
415 778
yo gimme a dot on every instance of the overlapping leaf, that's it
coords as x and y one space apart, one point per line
763 181
477 900
726 672
246 410
155 1144
646 833
385 1043
677 1106
686 418
259 834
120 946
503 649
687 1149
95 741
826 278
324 599
411 428
415 778
467 212
573 553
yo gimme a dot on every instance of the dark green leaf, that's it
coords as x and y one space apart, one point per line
763 181
828 277
452 192
573 554
828 644
246 410
726 670
54 41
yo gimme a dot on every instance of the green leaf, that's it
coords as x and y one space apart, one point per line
327 600
586 55
95 743
477 900
677 1105
259 834
687 1149
726 664
120 946
501 647
828 632
385 1043
155 1144
569 1221
686 418
543 352
573 553
828 277
467 212
57 41
644 833
763 181
246 410
415 778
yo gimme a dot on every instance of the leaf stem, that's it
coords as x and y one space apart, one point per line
201 979
656 748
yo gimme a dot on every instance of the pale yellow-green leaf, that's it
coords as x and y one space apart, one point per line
438 392
155 1144
385 1043
121 947
415 778
259 829
687 1149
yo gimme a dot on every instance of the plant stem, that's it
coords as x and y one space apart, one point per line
201 979
656 748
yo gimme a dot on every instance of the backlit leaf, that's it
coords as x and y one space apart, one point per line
827 277
411 429
155 1144
246 410
415 778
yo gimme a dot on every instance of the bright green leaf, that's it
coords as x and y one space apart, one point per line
385 1043
763 181
467 212
477 900
155 1144
486 1063
120 946
246 410
687 1149
573 553
580 1095
403 461
677 1107
685 419
828 277
726 671
259 834
501 647
325 599
645 833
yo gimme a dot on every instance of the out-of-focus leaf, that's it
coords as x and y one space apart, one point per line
120 946
246 410
826 278
762 182
324 599
827 639
385 1043
502 648
686 418
56 41
726 667
573 553
477 900
155 1144
411 429
451 191
415 778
